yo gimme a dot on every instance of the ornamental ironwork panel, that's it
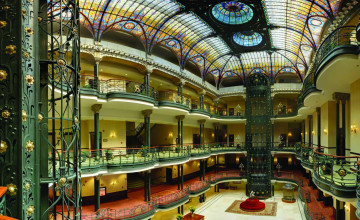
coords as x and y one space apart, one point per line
258 135
60 116
18 110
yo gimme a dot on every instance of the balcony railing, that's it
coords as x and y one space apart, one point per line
116 85
341 37
173 97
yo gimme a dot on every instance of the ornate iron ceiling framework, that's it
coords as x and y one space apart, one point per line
223 38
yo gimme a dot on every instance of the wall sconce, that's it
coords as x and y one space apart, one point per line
212 134
289 134
313 132
354 129
289 160
113 134
170 134
251 159
347 208
275 160
302 134
113 182
306 133
325 131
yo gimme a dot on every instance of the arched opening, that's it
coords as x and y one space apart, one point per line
123 38
165 53
193 68
232 81
210 79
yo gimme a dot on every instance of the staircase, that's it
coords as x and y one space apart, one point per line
138 139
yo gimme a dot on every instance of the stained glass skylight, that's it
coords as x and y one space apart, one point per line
232 12
297 26
247 38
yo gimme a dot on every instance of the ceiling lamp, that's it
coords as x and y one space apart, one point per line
232 12
247 38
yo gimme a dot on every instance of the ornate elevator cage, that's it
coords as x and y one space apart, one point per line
258 135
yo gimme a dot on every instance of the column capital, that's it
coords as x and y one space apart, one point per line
202 121
202 92
147 112
217 100
96 108
309 116
180 117
181 82
318 110
147 67
338 96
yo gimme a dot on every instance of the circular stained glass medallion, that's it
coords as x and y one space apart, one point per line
247 38
316 22
232 12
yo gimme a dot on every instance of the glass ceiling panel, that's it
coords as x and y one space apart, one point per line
298 25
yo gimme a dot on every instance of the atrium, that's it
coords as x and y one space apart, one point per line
179 109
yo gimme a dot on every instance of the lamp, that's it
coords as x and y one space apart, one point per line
289 134
354 128
313 132
325 131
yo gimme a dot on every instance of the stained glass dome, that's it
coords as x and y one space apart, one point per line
247 38
232 12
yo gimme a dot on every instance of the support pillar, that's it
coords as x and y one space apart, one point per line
318 112
201 99
182 177
320 195
180 119
310 130
202 132
180 85
303 133
96 109
147 114
145 186
97 192
149 185
340 212
95 85
341 129
216 132
147 72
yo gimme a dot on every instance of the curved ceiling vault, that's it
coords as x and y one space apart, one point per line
224 38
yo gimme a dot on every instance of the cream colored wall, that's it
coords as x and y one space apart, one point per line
355 115
233 104
328 121
280 128
112 131
189 131
237 129
162 134
113 183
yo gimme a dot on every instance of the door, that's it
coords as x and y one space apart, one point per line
231 140
196 139
169 175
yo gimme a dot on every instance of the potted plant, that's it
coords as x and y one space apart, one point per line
144 150
179 217
84 155
108 155
192 210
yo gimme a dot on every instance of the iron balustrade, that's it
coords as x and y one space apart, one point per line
116 85
171 96
337 170
342 36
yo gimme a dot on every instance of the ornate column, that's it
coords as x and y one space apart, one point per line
147 114
340 130
216 132
180 85
202 132
216 106
96 109
147 72
201 99
310 130
180 119
318 113
98 57
97 192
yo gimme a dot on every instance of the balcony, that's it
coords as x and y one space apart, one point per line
117 88
336 174
172 99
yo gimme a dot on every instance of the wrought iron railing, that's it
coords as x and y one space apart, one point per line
171 96
337 170
116 85
342 36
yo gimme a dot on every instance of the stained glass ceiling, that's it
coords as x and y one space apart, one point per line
223 38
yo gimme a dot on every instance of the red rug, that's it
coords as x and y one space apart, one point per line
270 209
